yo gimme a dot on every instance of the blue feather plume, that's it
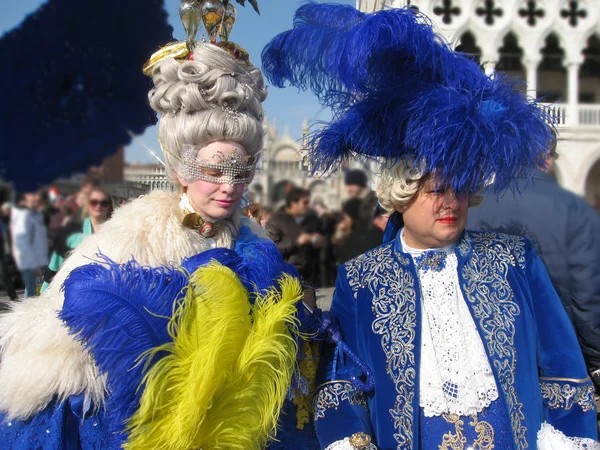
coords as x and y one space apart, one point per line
398 91
256 261
119 311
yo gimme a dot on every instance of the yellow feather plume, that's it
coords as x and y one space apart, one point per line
227 371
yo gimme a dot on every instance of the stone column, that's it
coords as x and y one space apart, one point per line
488 61
573 91
368 6
531 66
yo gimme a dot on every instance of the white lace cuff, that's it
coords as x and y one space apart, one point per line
549 438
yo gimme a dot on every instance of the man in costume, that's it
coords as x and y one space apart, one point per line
175 326
452 339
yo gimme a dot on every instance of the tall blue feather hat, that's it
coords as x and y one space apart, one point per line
399 92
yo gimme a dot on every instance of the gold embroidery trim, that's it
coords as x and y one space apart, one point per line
457 441
331 394
565 396
491 300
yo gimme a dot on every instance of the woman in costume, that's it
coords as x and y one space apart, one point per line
174 326
452 339
98 209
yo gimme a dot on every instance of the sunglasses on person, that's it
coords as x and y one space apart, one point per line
103 203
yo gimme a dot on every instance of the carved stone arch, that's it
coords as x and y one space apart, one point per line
591 58
584 37
279 191
562 40
456 33
558 172
317 184
467 44
511 58
591 179
552 74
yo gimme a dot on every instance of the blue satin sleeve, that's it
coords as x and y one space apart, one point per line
567 392
340 410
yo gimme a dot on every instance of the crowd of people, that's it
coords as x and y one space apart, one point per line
183 321
40 229
317 239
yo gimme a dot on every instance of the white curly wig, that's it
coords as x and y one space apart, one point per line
206 99
401 182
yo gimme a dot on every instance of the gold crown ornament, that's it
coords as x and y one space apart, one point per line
218 17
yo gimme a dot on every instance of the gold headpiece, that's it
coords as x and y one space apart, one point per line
218 17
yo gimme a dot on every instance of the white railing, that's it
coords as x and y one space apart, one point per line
557 113
584 115
589 115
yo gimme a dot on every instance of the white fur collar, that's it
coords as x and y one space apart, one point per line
39 360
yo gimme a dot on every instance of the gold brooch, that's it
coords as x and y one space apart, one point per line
360 441
195 222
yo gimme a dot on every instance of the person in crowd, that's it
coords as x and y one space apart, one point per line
79 201
565 232
328 258
5 253
448 338
97 210
295 231
29 238
353 235
177 293
259 213
267 212
380 218
356 185
320 208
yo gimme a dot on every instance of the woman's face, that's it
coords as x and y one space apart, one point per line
435 217
99 205
216 199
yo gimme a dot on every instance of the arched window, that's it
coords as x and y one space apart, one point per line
592 186
468 46
552 80
589 73
510 55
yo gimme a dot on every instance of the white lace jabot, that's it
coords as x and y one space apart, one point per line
455 375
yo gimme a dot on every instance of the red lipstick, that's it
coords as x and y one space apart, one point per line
450 220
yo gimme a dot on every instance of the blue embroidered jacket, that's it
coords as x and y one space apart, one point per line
530 342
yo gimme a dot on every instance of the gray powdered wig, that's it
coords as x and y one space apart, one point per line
210 98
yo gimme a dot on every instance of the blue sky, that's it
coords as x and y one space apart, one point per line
287 107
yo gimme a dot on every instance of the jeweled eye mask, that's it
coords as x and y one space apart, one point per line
232 168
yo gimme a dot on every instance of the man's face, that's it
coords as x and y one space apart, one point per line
300 208
32 200
353 190
435 217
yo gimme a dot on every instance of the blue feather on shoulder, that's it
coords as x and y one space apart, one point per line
119 311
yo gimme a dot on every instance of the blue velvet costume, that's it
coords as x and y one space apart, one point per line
530 343
75 424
